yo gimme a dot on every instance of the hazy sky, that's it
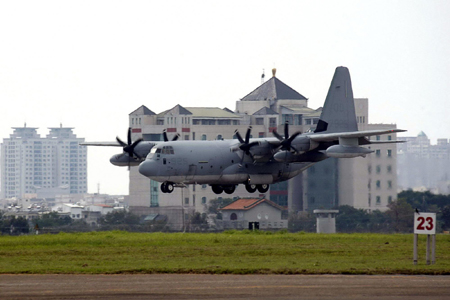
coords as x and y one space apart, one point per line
88 64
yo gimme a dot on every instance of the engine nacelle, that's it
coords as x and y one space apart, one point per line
304 143
123 160
340 151
284 156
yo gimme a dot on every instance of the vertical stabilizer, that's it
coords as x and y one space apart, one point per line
338 113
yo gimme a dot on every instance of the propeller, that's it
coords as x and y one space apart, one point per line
166 139
245 145
286 142
129 146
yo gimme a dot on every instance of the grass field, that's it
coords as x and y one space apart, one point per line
222 253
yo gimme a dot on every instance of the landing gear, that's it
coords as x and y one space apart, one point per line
262 188
229 189
217 189
167 187
251 188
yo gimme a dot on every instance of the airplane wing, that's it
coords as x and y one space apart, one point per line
329 137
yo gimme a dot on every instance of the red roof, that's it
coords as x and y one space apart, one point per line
246 204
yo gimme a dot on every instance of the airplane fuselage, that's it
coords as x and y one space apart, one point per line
212 162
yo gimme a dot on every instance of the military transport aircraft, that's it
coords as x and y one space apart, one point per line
254 162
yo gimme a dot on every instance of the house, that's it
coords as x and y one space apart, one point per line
253 213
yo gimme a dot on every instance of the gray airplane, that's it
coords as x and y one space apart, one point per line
256 163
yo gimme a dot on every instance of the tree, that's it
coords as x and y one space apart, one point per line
119 217
198 221
301 221
15 226
52 219
350 219
445 217
401 215
216 204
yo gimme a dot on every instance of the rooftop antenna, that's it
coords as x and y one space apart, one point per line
98 188
262 77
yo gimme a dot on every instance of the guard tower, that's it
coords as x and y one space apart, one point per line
326 220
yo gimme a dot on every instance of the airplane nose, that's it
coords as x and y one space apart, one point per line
148 168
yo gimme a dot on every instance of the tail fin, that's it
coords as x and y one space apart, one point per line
338 113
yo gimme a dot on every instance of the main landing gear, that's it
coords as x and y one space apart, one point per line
167 187
229 189
218 189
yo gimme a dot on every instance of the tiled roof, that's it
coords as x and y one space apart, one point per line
142 110
273 89
265 111
246 204
211 112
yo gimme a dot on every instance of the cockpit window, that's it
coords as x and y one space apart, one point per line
167 150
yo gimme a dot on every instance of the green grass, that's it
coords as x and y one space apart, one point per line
223 253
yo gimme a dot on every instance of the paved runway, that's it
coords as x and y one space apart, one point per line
177 286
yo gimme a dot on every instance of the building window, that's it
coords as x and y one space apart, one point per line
261 134
390 199
389 153
219 137
378 169
378 137
203 137
233 217
378 200
378 184
272 122
378 153
186 201
389 169
389 137
389 184
259 121
203 200
369 169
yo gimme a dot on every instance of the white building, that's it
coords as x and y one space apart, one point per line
46 166
265 213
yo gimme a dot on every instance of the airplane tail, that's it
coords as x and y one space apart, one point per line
338 113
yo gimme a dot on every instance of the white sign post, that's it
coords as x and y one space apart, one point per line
425 223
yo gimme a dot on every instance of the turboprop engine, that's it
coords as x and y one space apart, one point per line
299 147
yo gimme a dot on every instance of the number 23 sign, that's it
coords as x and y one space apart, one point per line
425 223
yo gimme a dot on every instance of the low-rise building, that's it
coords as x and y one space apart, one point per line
264 213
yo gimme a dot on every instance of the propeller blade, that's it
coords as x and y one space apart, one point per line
292 137
239 137
129 136
247 135
175 137
120 142
277 135
286 130
165 136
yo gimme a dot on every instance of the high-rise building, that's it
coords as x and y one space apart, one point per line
368 183
46 166
423 166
